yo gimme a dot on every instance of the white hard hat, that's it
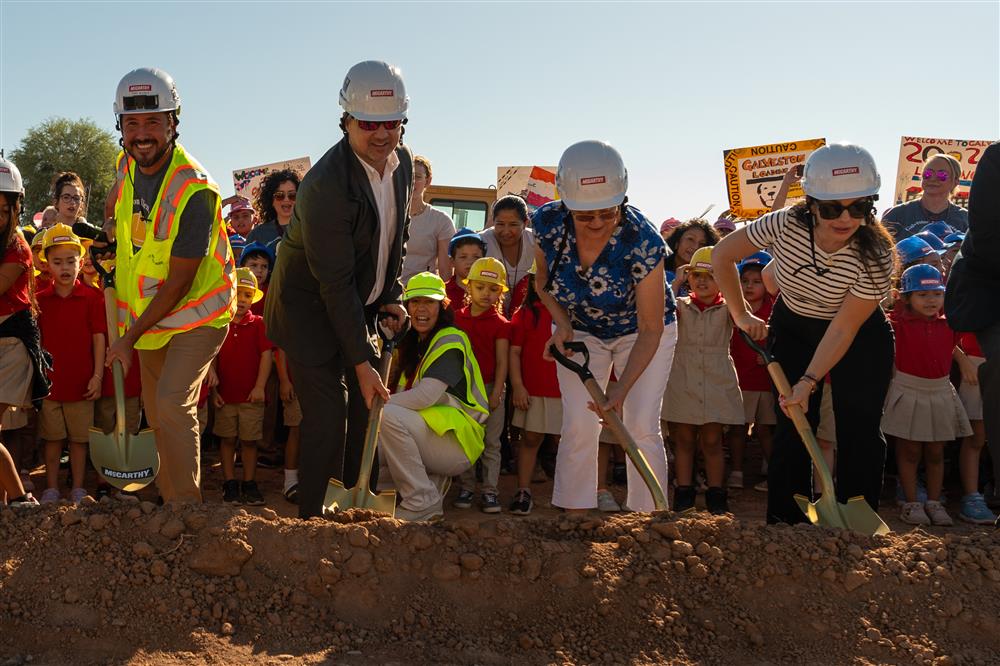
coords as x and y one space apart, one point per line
591 176
840 171
10 177
374 90
146 90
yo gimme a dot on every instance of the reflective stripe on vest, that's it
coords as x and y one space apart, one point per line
177 182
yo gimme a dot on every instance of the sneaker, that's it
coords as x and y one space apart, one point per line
717 501
974 510
231 491
921 493
606 502
26 500
292 493
735 479
271 462
913 513
522 504
684 498
50 495
761 487
250 494
936 512
430 514
490 503
77 494
619 475
464 499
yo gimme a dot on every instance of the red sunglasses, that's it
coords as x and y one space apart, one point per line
941 174
372 125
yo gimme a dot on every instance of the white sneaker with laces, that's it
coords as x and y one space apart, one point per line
913 513
735 479
937 513
606 502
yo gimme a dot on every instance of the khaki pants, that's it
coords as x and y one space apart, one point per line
491 453
171 381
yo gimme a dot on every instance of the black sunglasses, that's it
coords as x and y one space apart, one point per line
139 102
831 210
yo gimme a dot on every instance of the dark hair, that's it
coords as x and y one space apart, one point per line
468 240
15 200
874 240
63 179
511 202
530 299
674 239
264 202
411 348
255 252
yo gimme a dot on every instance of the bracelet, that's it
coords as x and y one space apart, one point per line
814 380
810 381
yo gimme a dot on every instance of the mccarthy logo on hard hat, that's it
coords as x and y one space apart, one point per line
142 87
930 281
845 171
384 92
490 274
593 180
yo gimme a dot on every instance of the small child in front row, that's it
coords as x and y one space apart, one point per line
974 508
242 366
73 327
703 392
465 248
489 333
537 399
922 409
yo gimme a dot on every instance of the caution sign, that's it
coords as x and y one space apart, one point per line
753 175
914 151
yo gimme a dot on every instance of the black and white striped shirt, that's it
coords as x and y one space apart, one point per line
814 283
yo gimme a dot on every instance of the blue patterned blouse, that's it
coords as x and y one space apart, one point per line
601 299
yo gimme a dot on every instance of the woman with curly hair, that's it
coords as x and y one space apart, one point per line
275 202
683 241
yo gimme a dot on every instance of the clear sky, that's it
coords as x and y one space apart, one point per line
669 84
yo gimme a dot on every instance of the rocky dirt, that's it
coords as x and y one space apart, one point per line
132 583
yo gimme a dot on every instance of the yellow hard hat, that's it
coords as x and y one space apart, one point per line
60 234
701 260
425 285
488 269
245 279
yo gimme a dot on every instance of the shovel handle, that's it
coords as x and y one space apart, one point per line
117 375
583 370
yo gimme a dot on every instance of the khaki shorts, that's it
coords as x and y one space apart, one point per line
104 414
758 408
66 420
244 420
292 412
15 373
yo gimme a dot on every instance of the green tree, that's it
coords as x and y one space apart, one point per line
61 144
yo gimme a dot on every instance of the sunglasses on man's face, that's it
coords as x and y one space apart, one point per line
831 210
942 175
372 125
280 196
609 215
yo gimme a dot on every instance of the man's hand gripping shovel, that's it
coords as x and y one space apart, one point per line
127 461
856 515
611 418
339 498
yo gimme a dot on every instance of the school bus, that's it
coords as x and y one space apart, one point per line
470 207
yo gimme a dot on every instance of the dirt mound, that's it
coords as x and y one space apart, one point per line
118 582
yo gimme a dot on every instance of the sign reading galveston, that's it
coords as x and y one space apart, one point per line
753 175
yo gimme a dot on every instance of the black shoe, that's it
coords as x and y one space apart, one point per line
271 462
619 476
684 498
250 494
292 494
717 501
231 491
522 504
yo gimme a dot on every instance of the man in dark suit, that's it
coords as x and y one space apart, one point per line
972 301
338 265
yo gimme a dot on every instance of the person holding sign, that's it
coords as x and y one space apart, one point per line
833 263
940 175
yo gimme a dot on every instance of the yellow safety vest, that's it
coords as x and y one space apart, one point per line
140 274
466 418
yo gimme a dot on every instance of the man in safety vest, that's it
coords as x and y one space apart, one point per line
174 272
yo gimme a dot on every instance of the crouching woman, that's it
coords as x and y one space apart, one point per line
433 425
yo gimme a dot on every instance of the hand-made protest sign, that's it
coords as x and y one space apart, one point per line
535 184
247 181
914 151
753 174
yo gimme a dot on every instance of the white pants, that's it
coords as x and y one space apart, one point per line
491 452
576 463
417 459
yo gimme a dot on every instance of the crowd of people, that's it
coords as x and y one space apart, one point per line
263 326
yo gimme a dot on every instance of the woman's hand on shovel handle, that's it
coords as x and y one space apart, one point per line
753 326
615 399
560 336
799 396
121 351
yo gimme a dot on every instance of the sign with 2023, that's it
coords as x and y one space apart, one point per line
914 151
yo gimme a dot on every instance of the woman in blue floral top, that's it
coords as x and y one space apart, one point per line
600 274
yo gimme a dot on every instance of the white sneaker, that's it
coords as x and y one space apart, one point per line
735 480
914 514
936 512
761 486
606 502
50 495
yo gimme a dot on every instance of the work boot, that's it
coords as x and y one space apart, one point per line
717 501
684 498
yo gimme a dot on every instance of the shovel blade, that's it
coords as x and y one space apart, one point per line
128 465
856 515
338 498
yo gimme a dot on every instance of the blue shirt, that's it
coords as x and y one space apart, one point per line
601 299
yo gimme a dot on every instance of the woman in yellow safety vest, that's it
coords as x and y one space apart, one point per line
432 426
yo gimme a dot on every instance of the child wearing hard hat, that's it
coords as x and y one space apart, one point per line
242 366
42 277
489 333
465 248
73 327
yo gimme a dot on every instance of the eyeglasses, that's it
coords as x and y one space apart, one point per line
71 198
280 196
831 210
942 175
372 125
609 215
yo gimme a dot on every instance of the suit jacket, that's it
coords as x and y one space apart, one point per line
972 300
325 269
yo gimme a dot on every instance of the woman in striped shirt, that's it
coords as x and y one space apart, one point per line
833 264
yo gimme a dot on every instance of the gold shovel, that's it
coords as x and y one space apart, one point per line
128 462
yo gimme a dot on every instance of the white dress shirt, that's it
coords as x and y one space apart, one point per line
385 201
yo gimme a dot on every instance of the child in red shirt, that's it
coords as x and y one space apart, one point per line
71 319
974 508
465 248
489 333
242 367
922 409
537 399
